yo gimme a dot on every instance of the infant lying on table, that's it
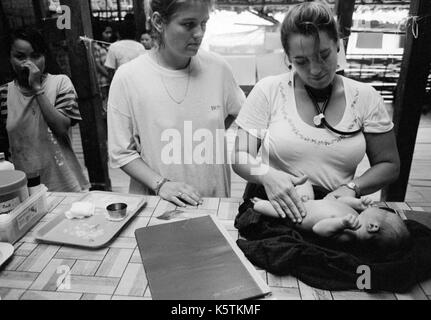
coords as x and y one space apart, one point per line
347 219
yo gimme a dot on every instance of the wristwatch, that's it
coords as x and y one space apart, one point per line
353 186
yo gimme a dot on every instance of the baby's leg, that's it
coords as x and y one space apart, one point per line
264 207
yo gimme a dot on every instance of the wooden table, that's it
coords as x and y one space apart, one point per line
36 270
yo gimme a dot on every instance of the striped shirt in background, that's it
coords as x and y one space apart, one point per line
4 143
100 52
33 146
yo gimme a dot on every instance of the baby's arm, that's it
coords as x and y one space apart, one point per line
333 226
357 204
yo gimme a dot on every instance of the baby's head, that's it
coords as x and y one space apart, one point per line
382 229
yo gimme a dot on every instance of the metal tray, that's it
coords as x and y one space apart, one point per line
6 251
95 231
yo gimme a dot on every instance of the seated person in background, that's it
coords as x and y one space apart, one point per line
347 219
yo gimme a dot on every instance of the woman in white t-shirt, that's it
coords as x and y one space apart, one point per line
312 123
167 110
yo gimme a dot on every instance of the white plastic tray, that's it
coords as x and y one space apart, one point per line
92 232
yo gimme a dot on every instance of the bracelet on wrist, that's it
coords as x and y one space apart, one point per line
39 92
159 185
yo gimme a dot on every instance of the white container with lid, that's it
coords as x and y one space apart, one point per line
4 164
25 216
13 190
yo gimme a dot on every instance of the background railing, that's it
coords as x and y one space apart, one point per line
111 14
381 71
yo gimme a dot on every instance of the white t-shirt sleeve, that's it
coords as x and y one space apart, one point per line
111 61
255 114
376 117
234 96
122 145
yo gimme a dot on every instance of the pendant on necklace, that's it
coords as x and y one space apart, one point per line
318 119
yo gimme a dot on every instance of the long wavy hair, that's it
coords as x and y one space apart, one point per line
308 18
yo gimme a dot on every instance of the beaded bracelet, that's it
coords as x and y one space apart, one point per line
39 92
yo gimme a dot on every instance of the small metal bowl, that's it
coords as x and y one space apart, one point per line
116 211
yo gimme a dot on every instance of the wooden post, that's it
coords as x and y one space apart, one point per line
344 10
93 127
411 92
4 25
4 55
90 7
4 72
37 8
138 9
119 10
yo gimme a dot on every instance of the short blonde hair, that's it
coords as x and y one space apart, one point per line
166 9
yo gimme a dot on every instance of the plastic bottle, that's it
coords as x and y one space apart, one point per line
4 164
33 182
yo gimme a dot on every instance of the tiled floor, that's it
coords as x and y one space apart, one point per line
53 271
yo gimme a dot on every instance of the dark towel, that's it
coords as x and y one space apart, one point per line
274 245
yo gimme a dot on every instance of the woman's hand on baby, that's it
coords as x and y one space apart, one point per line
351 222
341 191
280 189
180 193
